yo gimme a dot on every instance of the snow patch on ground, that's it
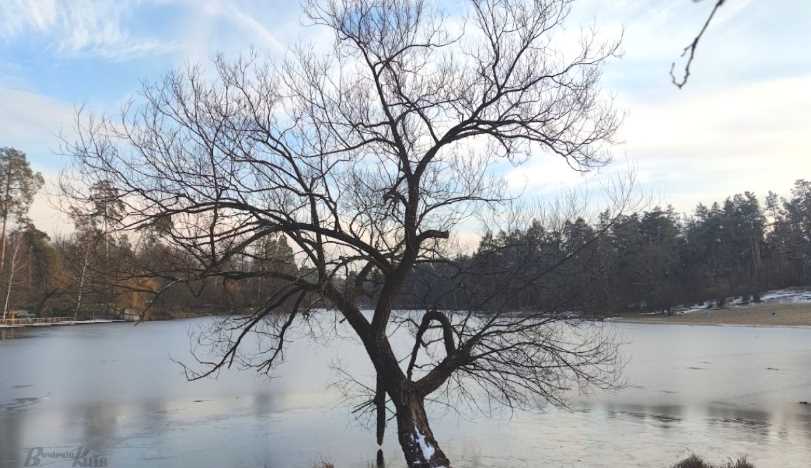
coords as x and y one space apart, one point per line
788 296
694 308
777 296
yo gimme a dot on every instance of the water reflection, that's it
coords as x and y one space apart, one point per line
12 333
263 404
11 440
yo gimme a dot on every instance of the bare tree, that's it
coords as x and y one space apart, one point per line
366 159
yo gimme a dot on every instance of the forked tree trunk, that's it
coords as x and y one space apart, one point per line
416 438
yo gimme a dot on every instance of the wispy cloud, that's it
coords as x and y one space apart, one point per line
80 27
32 120
245 21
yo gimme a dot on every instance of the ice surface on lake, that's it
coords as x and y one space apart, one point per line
717 391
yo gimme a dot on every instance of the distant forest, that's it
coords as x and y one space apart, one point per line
652 260
648 261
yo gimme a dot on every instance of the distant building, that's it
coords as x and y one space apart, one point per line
20 314
131 315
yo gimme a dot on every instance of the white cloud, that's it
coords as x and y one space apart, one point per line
46 212
758 119
658 29
700 146
543 174
32 119
76 27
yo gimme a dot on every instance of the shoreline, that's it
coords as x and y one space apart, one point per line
757 315
65 323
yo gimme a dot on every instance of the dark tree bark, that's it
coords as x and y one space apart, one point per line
415 435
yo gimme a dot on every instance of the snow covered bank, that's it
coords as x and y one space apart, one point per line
777 296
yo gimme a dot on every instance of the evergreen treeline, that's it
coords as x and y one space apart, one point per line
652 260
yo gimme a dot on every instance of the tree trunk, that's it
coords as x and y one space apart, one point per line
380 408
416 438
3 244
756 271
81 287
6 202
46 296
11 277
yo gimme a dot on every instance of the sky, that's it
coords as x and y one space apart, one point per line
741 123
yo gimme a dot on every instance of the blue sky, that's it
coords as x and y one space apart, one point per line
742 123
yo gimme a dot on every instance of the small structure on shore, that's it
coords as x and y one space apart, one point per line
130 315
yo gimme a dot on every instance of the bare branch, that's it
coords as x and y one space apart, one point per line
690 50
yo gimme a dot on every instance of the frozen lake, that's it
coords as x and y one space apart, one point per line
113 389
